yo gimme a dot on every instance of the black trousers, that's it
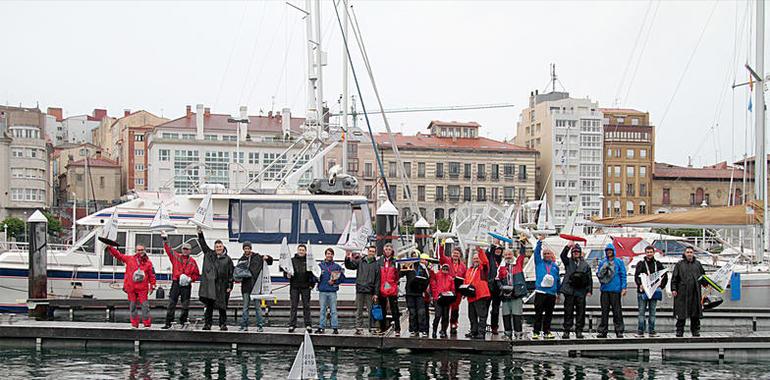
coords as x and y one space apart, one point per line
442 316
418 314
294 295
394 312
512 323
544 304
494 312
611 301
176 292
208 314
477 313
694 325
574 308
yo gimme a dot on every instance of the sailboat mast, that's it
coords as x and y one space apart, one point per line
345 70
760 161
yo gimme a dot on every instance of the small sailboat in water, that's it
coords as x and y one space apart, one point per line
304 366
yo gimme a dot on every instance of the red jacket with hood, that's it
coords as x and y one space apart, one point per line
134 262
477 276
181 264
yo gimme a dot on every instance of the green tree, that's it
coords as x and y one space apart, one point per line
15 226
54 225
443 224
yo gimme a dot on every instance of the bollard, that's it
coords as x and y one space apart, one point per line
422 235
38 263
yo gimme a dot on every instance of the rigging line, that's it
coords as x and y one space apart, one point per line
363 106
230 57
253 54
367 63
687 66
284 71
262 65
641 53
633 50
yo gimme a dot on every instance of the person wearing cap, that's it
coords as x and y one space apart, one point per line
417 281
367 283
329 282
442 289
577 285
546 289
495 257
184 271
612 276
513 288
255 263
457 269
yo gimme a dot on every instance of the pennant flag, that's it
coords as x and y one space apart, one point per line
751 105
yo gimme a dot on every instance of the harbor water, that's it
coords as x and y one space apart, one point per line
350 364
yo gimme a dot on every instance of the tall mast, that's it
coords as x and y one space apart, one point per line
760 160
345 90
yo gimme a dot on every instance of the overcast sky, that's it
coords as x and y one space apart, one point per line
162 56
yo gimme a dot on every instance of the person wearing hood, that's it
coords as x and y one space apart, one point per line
578 284
513 288
495 258
442 288
478 299
216 281
457 269
329 282
184 271
417 281
388 291
300 285
546 289
367 284
686 289
254 263
647 305
612 276
138 282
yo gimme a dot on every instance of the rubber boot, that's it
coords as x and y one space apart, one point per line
135 322
147 322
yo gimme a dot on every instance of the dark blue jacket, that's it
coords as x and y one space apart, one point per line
326 274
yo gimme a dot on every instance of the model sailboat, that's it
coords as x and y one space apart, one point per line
652 282
110 230
304 366
284 261
162 221
204 214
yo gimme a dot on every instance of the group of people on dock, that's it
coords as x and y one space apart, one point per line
492 284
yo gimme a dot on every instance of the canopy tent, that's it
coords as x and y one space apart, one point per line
711 217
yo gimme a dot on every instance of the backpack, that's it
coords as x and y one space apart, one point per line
607 272
548 279
242 271
578 280
139 274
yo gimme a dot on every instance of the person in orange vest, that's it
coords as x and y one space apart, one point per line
138 282
476 289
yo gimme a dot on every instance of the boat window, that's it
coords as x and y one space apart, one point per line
88 246
153 243
332 216
660 245
235 217
108 259
266 217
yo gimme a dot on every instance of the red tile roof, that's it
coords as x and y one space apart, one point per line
421 141
749 159
218 122
620 110
96 162
717 172
440 123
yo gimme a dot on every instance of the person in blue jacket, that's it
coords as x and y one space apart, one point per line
612 276
546 289
329 282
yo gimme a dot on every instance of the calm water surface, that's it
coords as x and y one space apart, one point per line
349 364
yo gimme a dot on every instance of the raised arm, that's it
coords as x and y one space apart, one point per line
202 242
565 255
483 258
169 252
538 252
442 258
114 252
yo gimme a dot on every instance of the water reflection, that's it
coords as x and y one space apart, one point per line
347 364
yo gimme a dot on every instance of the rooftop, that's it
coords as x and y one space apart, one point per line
96 162
218 122
423 141
621 110
439 123
720 171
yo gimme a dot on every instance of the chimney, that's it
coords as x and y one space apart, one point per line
99 114
270 114
188 112
126 112
56 112
243 128
98 154
286 123
199 122
207 112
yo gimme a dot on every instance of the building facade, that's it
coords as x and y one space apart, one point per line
203 147
568 134
95 180
62 155
449 165
26 156
132 130
629 154
74 129
677 188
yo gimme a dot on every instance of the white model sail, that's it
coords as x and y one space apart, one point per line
311 263
344 236
162 221
304 366
284 262
545 219
204 214
110 230
264 286
719 279
651 282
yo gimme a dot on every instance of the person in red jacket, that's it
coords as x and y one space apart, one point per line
442 289
478 302
457 269
388 292
184 271
138 281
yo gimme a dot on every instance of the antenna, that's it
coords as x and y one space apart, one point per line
554 78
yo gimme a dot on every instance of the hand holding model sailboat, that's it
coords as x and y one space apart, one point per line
110 230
